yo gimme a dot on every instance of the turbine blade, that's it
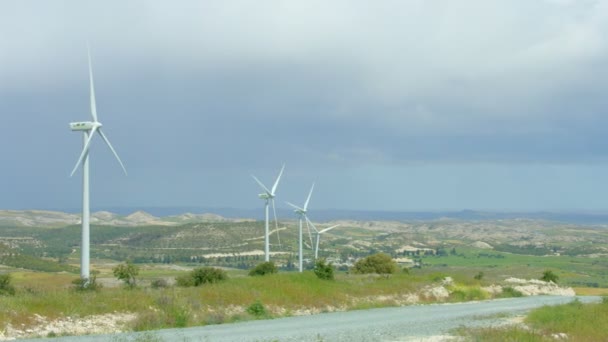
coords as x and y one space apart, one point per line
261 184
327 229
312 224
92 87
85 151
274 187
309 194
294 206
103 136
276 222
309 233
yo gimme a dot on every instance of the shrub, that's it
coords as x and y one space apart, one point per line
379 263
90 284
478 276
323 270
200 276
127 273
264 268
6 288
204 275
257 309
548 276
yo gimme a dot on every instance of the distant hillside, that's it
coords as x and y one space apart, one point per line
171 216
53 219
325 215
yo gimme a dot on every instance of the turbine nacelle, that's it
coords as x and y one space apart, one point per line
84 125
265 196
296 209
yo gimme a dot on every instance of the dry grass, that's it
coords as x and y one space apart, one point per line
591 291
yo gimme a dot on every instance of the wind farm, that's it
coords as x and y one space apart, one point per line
368 161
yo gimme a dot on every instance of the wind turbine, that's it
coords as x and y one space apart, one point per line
318 237
268 196
89 128
302 213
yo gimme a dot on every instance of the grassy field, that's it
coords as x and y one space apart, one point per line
576 271
283 294
572 322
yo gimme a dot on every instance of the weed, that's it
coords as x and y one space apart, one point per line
257 310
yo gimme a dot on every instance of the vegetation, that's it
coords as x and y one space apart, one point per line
127 273
202 275
264 268
257 310
575 321
6 289
526 252
379 263
548 276
91 284
324 270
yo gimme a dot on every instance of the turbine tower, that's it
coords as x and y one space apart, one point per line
89 128
318 237
269 196
302 214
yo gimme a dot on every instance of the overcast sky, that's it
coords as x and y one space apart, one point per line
386 105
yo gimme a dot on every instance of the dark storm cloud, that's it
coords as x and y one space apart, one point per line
215 85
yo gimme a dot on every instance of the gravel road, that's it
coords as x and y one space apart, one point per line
409 323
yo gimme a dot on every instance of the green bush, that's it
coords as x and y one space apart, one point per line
264 268
323 270
6 288
379 263
257 310
200 276
548 276
204 275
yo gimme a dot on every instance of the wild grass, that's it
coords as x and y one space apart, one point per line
281 294
574 321
49 295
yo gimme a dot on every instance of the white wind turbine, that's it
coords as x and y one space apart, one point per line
268 196
318 237
302 213
89 128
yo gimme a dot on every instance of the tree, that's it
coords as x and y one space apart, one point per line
127 273
264 268
323 270
379 263
548 276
